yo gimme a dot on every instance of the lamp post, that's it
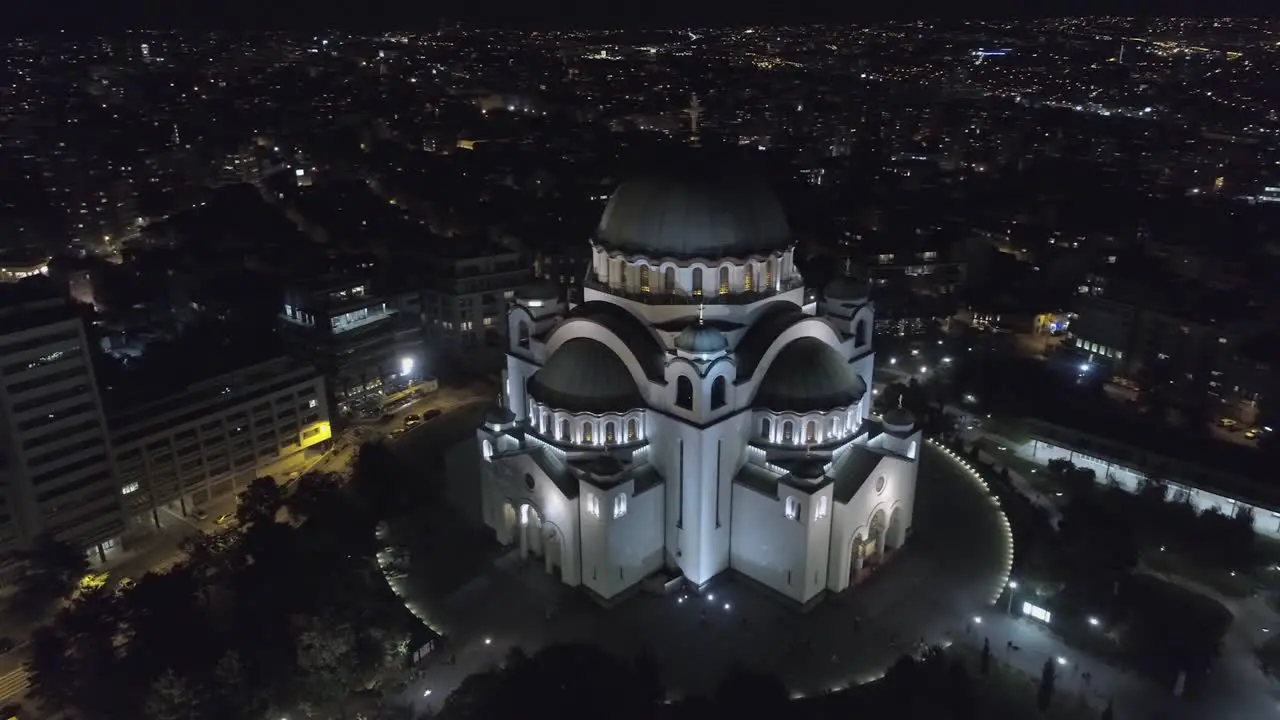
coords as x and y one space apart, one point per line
1013 585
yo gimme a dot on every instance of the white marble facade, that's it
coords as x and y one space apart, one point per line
698 412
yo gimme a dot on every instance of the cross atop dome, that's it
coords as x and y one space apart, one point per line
701 307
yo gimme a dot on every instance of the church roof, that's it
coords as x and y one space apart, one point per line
701 338
809 375
846 288
642 343
544 290
584 375
696 208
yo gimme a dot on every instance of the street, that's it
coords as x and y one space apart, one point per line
161 550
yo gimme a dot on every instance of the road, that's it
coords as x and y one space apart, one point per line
163 549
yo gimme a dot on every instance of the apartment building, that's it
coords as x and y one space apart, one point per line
213 438
465 303
345 329
57 470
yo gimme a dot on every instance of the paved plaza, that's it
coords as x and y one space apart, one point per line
950 570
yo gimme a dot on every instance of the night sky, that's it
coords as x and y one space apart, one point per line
91 15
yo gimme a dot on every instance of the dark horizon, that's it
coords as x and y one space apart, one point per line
86 16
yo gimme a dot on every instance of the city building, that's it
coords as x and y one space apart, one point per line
696 413
465 301
57 471
347 331
214 437
1129 330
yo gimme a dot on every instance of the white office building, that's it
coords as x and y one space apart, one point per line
57 473
213 438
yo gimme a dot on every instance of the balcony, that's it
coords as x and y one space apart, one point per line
680 297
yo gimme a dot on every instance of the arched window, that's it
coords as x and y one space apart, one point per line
792 508
748 278
564 430
546 422
835 426
669 279
724 279
684 392
766 430
610 434
810 432
717 393
644 278
522 334
697 281
788 432
633 430
586 434
769 273
487 450
860 333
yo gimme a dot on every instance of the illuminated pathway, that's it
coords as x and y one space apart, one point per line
953 567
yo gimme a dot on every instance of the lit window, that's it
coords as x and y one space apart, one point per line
610 433
311 403
697 281
644 278
586 435
130 488
633 430
593 505
724 280
619 506
748 279
792 509
822 509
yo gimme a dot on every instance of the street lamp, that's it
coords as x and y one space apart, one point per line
1013 585
1094 621
406 366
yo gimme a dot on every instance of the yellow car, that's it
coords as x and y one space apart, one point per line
1253 434
124 585
93 581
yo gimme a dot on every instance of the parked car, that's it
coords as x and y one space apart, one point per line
411 420
225 519
432 413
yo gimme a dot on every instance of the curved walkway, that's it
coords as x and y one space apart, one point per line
954 566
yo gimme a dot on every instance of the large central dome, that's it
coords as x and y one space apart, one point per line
694 212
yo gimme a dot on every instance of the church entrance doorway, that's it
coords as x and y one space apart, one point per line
510 524
896 534
531 540
875 538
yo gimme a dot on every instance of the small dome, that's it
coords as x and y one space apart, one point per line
585 376
498 416
898 420
543 290
845 288
809 375
694 211
701 338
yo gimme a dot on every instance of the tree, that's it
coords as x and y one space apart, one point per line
984 660
1044 694
328 665
52 676
171 698
53 569
314 493
260 502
